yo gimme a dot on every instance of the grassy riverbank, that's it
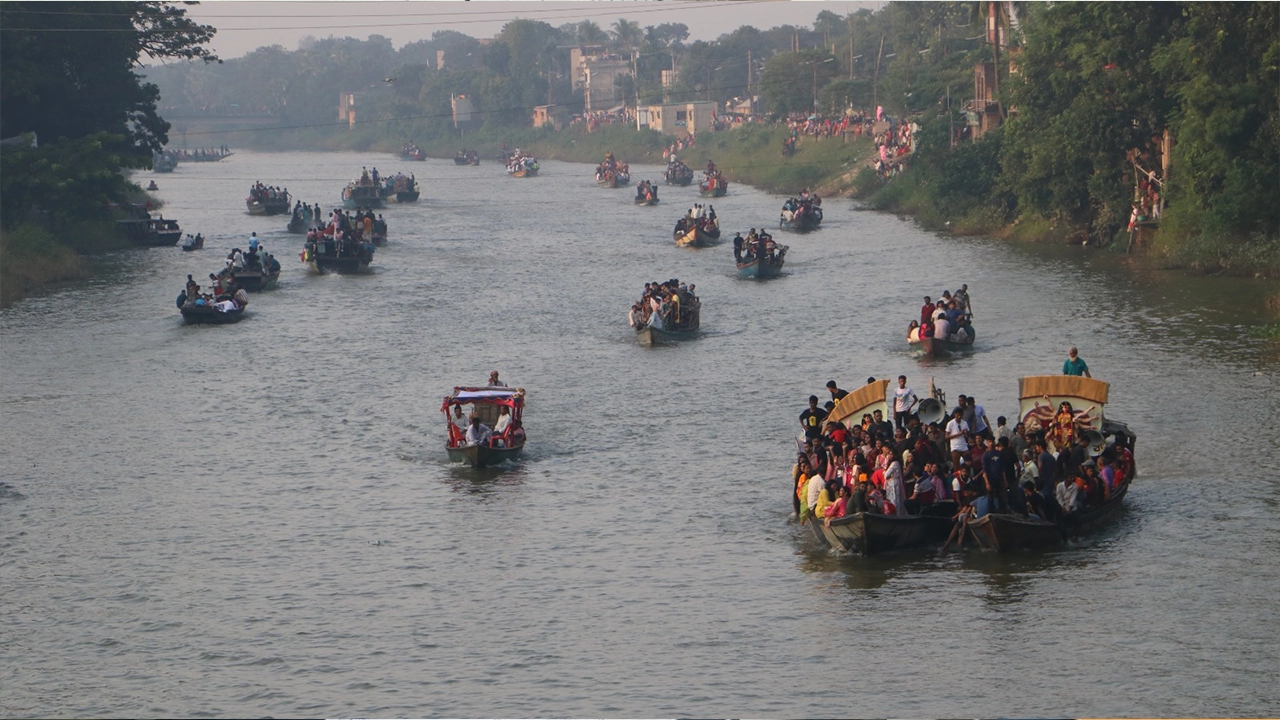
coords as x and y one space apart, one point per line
31 258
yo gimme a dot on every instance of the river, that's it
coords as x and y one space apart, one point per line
260 519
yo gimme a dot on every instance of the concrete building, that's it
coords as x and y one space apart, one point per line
543 114
596 73
680 119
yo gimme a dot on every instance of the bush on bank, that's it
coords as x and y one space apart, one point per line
31 257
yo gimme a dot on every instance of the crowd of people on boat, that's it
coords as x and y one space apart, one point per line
677 172
670 306
201 154
712 178
611 168
368 178
1042 468
305 216
950 318
646 191
467 157
266 194
255 259
700 216
412 151
797 209
223 295
398 183
521 160
345 232
757 245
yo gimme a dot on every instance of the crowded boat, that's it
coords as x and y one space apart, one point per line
466 157
400 188
713 183
668 310
267 200
410 151
646 193
698 227
801 214
522 164
365 192
883 468
305 217
222 302
346 243
944 325
677 173
253 269
191 242
757 255
611 173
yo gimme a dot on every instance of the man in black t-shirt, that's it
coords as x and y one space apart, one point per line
811 419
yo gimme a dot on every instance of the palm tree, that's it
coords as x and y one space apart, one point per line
626 33
590 33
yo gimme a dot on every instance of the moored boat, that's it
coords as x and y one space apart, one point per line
151 232
492 439
801 214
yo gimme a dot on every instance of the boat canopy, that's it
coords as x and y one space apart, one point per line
511 397
865 400
1085 395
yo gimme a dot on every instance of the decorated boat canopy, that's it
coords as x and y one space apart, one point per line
485 395
1085 396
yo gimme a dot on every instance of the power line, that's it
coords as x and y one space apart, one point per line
674 4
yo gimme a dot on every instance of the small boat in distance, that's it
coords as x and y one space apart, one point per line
153 186
801 214
153 232
712 183
677 173
759 256
204 312
164 162
466 157
495 423
522 165
193 243
646 193
343 256
401 188
409 151
266 200
613 174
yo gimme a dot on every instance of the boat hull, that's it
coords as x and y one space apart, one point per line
938 348
407 197
479 456
758 270
806 224
209 315
647 201
697 237
257 281
872 533
525 173
650 336
715 192
267 208
1009 533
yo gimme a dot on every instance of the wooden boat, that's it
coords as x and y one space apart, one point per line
713 187
405 196
153 186
934 347
1002 532
804 222
645 200
151 232
868 533
257 279
612 180
356 196
164 162
527 172
1006 533
301 225
649 335
193 243
769 268
414 153
466 157
194 314
696 236
678 174
329 256
485 403
279 206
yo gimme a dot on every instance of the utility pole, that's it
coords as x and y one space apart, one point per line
748 75
875 82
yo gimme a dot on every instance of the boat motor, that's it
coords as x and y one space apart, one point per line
1097 442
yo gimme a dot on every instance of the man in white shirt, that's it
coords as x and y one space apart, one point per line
904 399
957 429
504 422
478 433
942 328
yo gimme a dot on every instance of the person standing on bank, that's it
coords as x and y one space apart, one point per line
1074 364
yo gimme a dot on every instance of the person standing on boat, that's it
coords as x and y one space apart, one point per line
904 399
926 311
957 430
811 419
737 247
961 299
1074 364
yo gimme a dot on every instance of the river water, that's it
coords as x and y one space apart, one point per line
260 519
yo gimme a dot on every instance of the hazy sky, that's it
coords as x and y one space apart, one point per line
243 26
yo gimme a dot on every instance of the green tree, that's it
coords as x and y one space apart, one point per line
791 81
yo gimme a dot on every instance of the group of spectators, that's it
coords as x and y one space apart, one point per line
671 305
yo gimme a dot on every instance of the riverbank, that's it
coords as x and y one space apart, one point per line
32 258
